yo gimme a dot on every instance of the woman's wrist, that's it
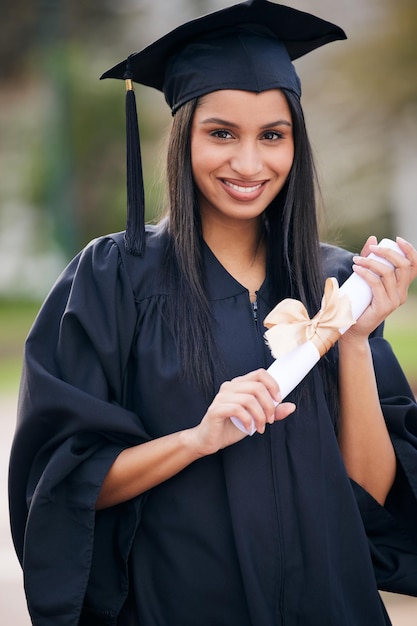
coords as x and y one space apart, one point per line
351 342
191 443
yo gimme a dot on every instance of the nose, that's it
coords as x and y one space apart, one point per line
246 159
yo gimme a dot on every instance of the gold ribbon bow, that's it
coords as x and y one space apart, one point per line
289 325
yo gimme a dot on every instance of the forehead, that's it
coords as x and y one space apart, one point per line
233 103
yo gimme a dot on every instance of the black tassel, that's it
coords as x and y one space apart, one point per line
135 223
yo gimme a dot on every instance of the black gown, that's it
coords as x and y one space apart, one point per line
269 531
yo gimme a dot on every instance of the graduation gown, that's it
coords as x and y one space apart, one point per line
269 531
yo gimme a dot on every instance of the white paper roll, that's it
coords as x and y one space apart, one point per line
358 290
290 369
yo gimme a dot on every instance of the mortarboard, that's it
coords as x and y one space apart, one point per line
248 46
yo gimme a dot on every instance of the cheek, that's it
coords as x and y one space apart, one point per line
196 169
203 161
287 160
197 152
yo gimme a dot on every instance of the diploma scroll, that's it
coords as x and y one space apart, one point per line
290 368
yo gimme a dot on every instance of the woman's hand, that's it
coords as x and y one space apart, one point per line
139 468
253 397
389 284
364 440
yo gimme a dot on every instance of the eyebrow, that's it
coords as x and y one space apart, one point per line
220 122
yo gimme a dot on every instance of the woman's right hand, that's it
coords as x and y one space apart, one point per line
252 398
142 467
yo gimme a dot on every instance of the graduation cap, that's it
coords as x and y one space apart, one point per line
248 46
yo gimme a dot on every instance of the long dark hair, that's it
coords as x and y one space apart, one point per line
291 229
294 251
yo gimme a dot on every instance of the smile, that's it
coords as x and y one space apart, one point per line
241 189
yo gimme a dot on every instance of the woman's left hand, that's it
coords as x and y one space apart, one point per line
389 283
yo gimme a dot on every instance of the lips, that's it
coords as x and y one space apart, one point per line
243 191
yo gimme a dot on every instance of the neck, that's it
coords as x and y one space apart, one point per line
235 239
241 249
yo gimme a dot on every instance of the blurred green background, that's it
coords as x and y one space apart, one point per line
62 144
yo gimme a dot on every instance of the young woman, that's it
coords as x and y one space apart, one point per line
134 498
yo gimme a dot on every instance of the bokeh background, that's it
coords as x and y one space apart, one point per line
62 159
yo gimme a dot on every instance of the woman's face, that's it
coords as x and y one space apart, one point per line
242 150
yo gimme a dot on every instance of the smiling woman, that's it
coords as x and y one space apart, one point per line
152 339
245 159
239 167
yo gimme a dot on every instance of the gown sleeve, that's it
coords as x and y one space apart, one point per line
392 529
71 426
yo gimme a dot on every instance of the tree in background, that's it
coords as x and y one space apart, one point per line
54 53
66 129
375 188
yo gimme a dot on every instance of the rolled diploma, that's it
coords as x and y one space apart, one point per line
290 369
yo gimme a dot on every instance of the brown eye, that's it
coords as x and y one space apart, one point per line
272 135
221 134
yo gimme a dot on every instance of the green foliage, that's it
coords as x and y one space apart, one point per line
384 65
404 343
401 332
76 144
16 318
79 174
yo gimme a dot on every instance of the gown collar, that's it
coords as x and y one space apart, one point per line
220 284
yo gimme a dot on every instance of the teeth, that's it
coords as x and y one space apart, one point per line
242 189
